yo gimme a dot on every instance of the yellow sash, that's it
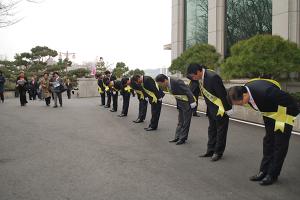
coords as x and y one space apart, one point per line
105 86
215 100
281 117
151 94
140 93
264 79
127 88
100 90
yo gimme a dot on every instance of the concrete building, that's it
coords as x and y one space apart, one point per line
209 20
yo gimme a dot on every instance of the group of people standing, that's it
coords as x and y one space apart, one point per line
145 88
47 87
278 108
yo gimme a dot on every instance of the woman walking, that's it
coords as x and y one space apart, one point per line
46 88
21 85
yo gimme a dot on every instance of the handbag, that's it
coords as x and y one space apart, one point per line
62 88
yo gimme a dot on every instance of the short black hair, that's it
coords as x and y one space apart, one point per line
124 80
161 78
194 67
135 78
235 93
56 73
46 73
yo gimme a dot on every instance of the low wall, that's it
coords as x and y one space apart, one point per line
240 112
9 94
87 87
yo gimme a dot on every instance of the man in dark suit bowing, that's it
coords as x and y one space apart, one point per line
143 102
279 111
218 108
186 102
154 94
101 88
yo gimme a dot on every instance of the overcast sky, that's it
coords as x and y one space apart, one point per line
132 31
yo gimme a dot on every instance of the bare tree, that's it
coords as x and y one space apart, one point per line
8 13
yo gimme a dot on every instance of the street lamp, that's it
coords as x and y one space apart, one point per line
61 54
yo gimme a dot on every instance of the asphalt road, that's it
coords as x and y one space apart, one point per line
84 152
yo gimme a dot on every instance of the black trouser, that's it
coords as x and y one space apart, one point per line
108 99
69 94
143 104
47 100
102 98
126 100
275 148
115 100
155 111
184 120
32 94
217 134
2 96
23 99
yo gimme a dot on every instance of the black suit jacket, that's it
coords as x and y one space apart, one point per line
178 87
150 85
267 96
138 87
100 84
195 87
213 83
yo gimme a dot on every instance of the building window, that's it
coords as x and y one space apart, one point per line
196 22
246 18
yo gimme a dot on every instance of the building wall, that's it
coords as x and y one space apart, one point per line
285 22
177 28
286 19
216 25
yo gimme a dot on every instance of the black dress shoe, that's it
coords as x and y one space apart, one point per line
138 121
106 106
113 111
122 115
180 142
258 177
150 129
207 154
268 180
216 157
175 140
